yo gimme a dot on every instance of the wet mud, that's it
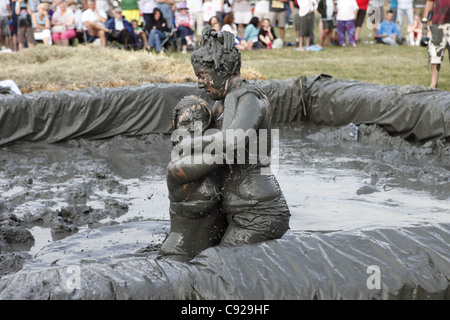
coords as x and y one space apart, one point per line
85 201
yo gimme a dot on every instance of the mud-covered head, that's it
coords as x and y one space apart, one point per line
214 63
189 110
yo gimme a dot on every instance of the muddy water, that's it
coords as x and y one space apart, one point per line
106 200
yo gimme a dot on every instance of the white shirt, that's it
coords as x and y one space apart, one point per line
262 6
306 6
90 16
147 6
405 4
103 5
3 8
208 10
194 5
346 10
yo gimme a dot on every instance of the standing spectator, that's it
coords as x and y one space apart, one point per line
208 11
393 5
262 9
405 8
25 33
63 25
327 11
121 30
362 9
41 25
242 14
158 26
376 14
195 8
218 7
388 31
130 10
278 15
184 22
419 7
165 6
266 34
5 32
147 7
13 4
440 35
104 5
230 26
293 5
415 31
306 13
78 23
94 22
252 32
346 15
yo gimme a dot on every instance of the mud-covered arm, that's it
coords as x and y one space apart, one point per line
182 171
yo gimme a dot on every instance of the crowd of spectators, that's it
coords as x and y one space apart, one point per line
256 24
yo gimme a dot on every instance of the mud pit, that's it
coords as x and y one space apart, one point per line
357 198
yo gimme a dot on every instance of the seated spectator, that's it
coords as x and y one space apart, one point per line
94 22
140 33
25 33
230 26
78 24
266 34
388 32
121 30
157 27
415 31
42 25
213 20
252 32
63 22
184 22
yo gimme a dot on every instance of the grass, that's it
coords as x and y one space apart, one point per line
56 68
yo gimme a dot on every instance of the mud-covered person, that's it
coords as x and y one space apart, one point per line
196 220
252 199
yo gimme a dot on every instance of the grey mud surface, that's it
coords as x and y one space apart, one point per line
106 200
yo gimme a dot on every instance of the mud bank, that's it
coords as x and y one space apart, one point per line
358 197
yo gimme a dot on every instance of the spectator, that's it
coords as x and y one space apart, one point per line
346 15
184 22
388 31
393 7
25 33
121 30
5 32
242 14
252 32
41 25
14 24
415 31
130 10
218 7
262 9
405 8
306 13
139 32
419 7
215 23
104 5
146 7
277 15
376 14
94 22
165 6
230 26
327 11
208 11
63 25
266 34
195 8
293 5
158 26
227 6
440 35
362 10
78 24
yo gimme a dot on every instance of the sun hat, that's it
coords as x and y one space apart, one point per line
182 5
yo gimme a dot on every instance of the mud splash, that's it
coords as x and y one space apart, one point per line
105 200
